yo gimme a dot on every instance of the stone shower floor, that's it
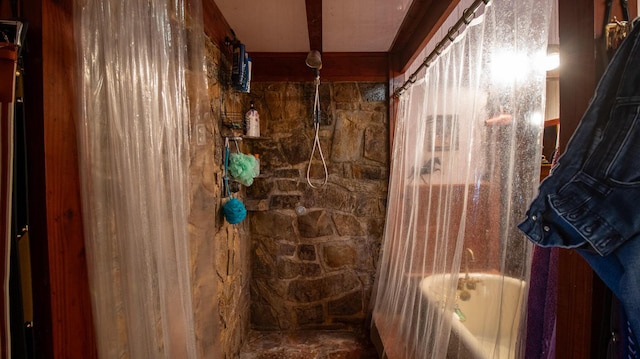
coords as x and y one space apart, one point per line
307 345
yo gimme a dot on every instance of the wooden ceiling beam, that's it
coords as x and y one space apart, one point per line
421 23
314 23
336 66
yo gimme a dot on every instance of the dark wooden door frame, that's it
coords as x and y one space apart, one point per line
580 291
63 326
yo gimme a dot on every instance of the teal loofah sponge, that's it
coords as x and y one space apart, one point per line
234 211
243 168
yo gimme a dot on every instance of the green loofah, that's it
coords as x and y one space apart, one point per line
243 168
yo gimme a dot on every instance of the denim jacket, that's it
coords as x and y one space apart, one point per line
592 198
591 201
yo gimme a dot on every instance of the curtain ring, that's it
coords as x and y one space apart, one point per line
450 34
413 78
430 58
466 14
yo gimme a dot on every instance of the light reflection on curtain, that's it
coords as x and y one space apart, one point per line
138 59
466 156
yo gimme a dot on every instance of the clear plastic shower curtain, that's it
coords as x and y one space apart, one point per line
138 62
466 160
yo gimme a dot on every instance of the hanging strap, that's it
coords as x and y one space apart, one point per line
226 166
625 9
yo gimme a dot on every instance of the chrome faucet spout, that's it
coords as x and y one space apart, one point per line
469 252
467 282
473 257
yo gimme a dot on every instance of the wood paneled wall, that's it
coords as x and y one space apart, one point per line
63 326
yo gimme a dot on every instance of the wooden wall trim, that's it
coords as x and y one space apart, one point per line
34 112
63 326
421 23
216 26
336 66
577 82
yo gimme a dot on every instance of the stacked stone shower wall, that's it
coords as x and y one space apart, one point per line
315 270
219 251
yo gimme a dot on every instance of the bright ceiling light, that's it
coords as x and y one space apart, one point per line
512 67
508 67
552 61
536 119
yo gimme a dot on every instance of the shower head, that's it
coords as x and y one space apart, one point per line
314 60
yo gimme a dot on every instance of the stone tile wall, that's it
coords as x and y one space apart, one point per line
219 251
315 269
280 269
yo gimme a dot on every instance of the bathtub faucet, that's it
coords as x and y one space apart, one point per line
468 282
469 252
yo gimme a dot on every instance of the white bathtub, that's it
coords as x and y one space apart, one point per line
489 328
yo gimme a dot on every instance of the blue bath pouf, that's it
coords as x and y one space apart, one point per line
234 211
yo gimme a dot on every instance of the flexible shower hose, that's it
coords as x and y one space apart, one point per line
316 139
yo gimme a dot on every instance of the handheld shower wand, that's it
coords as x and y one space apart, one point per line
314 60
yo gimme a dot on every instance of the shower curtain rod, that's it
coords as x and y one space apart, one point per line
467 16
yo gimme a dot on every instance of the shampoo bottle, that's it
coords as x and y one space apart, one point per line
252 122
